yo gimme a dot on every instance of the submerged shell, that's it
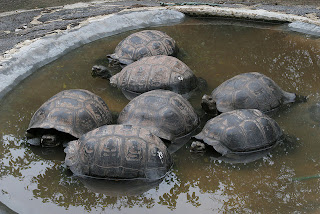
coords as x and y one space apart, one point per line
314 112
142 44
250 91
241 131
118 152
156 72
165 113
74 112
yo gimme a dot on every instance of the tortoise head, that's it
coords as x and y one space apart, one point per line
197 146
101 71
209 105
49 140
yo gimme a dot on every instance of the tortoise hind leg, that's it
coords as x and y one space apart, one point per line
293 98
301 99
218 146
288 97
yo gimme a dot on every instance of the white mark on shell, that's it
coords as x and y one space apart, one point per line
160 155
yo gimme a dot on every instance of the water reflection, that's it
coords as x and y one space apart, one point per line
49 153
36 178
65 190
13 157
118 188
314 112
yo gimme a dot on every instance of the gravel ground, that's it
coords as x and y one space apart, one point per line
8 5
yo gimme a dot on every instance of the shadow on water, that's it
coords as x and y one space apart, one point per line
34 180
49 153
118 188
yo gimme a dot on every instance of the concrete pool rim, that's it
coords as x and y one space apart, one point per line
26 57
14 67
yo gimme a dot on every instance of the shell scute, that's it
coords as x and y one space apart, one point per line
241 131
119 152
249 91
156 72
166 114
73 112
142 44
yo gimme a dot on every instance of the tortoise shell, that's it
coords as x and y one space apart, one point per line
118 152
241 131
156 72
250 91
73 112
142 44
165 113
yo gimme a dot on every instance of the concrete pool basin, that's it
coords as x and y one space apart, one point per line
26 56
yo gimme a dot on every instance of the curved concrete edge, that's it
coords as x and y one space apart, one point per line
23 61
243 13
307 25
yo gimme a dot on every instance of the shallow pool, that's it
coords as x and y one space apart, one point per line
35 180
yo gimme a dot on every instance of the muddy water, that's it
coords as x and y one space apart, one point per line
34 180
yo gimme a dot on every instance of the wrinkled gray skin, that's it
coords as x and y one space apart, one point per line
209 105
47 140
197 146
101 71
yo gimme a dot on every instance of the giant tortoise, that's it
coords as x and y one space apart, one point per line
66 116
248 91
165 113
243 131
118 152
141 44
